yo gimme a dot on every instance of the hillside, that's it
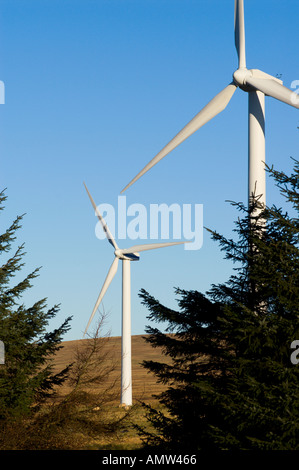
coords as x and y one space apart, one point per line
144 384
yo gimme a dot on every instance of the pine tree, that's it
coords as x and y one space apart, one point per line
26 377
230 381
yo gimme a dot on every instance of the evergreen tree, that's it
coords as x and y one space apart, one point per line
26 377
230 381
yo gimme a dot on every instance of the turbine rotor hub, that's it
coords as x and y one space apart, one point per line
240 76
118 253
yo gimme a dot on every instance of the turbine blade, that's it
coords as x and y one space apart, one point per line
240 32
214 107
274 89
111 273
149 246
101 219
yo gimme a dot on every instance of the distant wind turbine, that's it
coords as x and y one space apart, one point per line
126 255
257 84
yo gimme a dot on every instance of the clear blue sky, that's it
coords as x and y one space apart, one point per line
93 90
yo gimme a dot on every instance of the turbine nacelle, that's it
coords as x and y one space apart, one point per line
128 256
242 75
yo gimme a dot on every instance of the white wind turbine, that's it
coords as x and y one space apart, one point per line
257 84
126 255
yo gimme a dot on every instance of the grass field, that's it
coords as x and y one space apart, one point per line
144 385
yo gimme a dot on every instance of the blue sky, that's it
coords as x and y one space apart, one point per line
93 90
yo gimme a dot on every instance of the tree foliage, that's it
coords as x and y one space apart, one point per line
230 381
26 377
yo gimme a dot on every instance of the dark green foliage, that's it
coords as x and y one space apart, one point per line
26 378
231 383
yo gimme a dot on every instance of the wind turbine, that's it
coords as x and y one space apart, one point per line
257 84
126 255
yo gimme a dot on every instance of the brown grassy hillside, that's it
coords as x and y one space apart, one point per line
85 413
144 384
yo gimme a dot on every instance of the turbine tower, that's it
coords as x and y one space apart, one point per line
257 84
126 255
